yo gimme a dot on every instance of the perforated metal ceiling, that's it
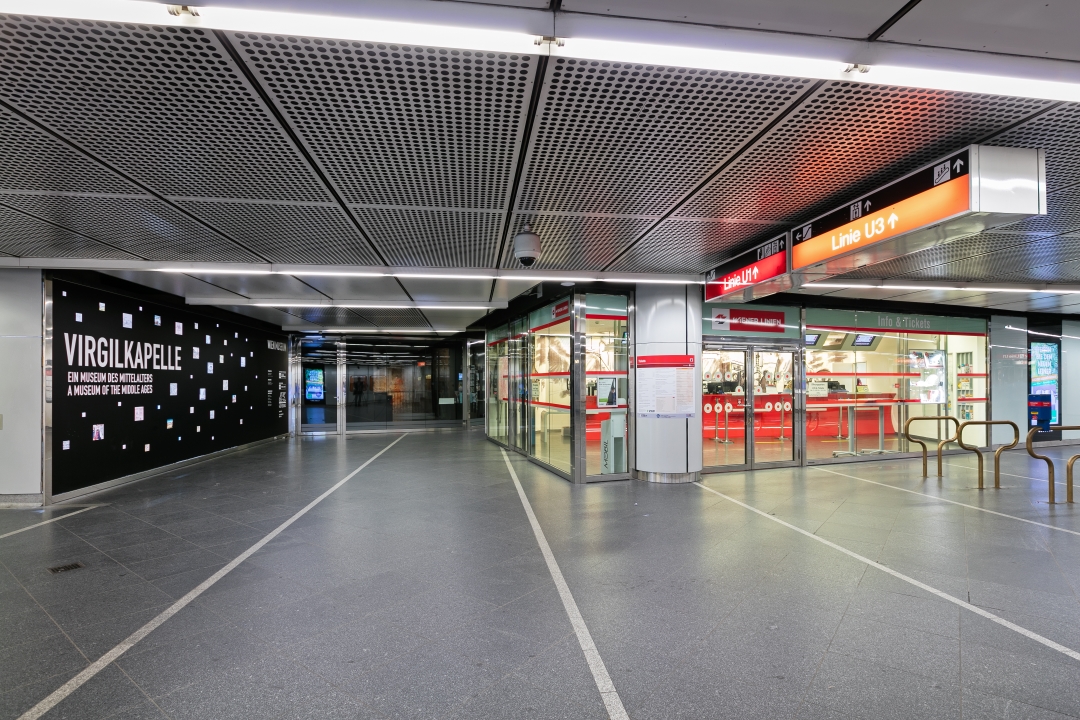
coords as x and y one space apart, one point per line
159 143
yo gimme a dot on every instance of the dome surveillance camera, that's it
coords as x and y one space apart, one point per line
527 247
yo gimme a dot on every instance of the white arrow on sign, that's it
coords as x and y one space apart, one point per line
866 206
893 220
957 164
755 273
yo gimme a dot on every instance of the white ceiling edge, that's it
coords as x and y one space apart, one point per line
837 284
210 268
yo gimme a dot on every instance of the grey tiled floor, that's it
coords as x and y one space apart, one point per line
417 590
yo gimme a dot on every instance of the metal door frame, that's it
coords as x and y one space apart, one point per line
798 410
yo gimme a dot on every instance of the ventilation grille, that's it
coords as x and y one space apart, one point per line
847 139
65 568
633 139
24 236
317 234
434 238
575 242
400 125
145 227
163 104
692 246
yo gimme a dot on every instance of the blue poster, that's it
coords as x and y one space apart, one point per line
1044 374
313 384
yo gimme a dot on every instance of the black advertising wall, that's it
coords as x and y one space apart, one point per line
139 385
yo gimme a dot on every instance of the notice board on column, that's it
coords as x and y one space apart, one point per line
665 386
138 385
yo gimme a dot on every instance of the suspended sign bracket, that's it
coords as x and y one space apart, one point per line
976 189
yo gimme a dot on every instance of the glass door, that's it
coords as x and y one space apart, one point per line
749 408
724 394
773 407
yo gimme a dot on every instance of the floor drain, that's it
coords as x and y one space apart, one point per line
65 568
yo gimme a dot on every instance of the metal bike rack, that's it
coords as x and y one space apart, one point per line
997 453
1050 463
907 434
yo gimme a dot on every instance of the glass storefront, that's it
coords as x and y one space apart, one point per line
868 373
864 376
606 383
531 382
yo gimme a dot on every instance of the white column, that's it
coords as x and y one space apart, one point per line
21 383
667 321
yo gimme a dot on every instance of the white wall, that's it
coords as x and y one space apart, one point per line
667 321
1070 378
1008 376
20 383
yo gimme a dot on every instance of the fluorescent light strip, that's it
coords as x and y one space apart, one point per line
1035 332
489 40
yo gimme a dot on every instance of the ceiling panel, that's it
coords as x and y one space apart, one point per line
163 104
848 139
37 160
270 315
357 288
983 256
1016 27
186 286
691 245
575 242
398 125
24 236
510 289
1063 214
329 316
262 286
319 234
842 18
632 139
387 318
1058 133
453 319
447 290
143 226
434 238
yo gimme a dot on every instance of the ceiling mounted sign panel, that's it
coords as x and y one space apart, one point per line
756 273
975 189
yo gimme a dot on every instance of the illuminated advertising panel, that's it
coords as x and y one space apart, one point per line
1045 375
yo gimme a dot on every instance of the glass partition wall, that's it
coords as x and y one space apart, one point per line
864 384
531 382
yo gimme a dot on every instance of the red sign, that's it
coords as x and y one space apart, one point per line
752 274
736 320
560 309
658 361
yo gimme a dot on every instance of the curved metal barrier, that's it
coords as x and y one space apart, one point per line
1050 463
907 434
997 453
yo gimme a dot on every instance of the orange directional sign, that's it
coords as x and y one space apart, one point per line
926 208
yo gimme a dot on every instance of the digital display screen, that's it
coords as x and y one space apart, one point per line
313 384
812 339
1044 374
863 340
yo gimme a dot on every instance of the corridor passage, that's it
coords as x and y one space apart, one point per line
418 588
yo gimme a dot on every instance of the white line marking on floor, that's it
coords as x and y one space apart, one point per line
46 522
923 586
952 502
608 693
1025 477
108 658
